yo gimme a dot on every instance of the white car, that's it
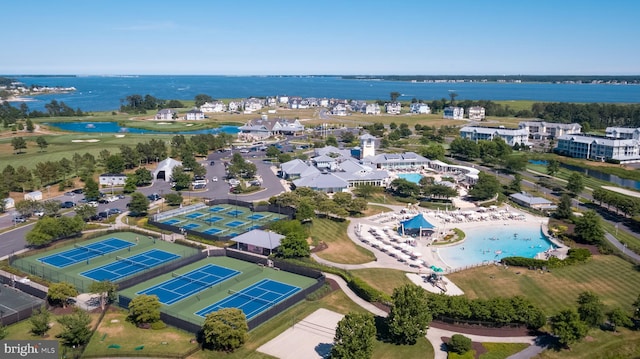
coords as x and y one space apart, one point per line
38 213
93 204
214 179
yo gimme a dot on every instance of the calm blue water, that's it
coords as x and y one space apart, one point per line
622 182
104 93
113 127
495 243
411 177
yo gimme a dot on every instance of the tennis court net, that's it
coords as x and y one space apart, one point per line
132 262
87 249
245 295
191 280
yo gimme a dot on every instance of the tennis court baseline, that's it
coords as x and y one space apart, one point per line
83 253
185 285
234 224
124 267
254 299
194 215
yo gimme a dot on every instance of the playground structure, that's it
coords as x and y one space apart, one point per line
437 281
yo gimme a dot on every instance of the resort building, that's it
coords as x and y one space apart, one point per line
258 241
367 146
476 113
462 174
195 114
528 200
296 169
166 114
421 108
397 161
393 108
624 133
213 107
599 148
112 179
509 135
453 113
165 168
541 129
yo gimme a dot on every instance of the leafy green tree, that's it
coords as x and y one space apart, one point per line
409 317
144 309
331 141
355 336
434 151
143 177
27 207
305 211
107 292
564 210
575 183
225 329
42 143
173 199
30 126
139 204
115 164
516 184
59 293
4 331
394 96
636 307
439 191
91 189
619 318
365 191
18 144
181 178
272 151
76 329
553 166
130 184
347 137
284 157
464 147
591 309
40 321
85 211
515 163
200 99
459 344
51 207
199 170
568 327
589 228
403 188
293 247
486 187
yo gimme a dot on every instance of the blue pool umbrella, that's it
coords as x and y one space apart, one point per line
416 223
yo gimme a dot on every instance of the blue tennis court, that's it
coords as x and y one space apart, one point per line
213 219
235 212
185 285
83 253
254 299
212 231
191 226
216 209
234 224
171 222
256 216
194 215
124 267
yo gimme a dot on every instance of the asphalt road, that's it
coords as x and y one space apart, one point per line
13 240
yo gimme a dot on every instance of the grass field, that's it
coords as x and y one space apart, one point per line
384 280
340 249
615 281
493 351
600 344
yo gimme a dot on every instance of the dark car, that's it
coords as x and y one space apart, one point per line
67 204
78 191
212 163
153 197
103 214
20 219
113 211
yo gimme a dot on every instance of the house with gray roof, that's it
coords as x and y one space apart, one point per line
325 162
165 114
542 129
195 114
624 133
297 168
326 182
258 241
528 200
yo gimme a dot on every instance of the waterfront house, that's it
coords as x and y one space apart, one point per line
624 133
393 108
195 114
166 114
511 136
372 109
453 113
339 109
476 113
213 107
420 108
234 106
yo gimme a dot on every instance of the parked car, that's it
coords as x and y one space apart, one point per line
78 191
38 213
93 204
112 211
153 197
214 179
212 163
67 204
20 219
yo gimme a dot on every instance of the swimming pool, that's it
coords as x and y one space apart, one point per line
411 177
494 243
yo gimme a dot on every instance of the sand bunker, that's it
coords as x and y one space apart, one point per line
91 140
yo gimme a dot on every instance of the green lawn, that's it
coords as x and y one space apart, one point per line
382 279
600 344
493 351
614 280
340 249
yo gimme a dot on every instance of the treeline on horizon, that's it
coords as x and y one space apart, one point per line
495 78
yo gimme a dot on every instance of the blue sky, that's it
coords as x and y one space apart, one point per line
251 37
